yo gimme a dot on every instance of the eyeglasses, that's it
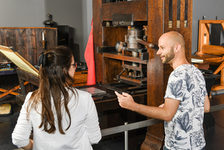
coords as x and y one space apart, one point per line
74 65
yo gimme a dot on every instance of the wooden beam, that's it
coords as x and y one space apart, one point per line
213 49
4 90
13 89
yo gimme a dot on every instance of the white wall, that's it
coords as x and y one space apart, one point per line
22 13
32 13
75 13
69 12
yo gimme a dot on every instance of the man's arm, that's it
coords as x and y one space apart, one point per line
207 104
166 112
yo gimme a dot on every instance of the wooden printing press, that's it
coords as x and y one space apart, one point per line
118 27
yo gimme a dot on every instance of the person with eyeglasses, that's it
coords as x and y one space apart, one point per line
60 116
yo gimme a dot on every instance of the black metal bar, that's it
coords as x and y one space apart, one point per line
131 126
145 123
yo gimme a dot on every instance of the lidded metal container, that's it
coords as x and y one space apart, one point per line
132 36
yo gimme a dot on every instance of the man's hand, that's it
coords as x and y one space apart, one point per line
126 101
161 105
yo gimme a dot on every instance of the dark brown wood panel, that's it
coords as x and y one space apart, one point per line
111 35
97 38
28 42
155 67
112 68
182 14
155 80
137 8
174 14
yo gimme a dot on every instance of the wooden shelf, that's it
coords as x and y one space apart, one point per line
119 56
213 49
133 67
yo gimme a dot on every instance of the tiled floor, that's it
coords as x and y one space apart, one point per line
214 134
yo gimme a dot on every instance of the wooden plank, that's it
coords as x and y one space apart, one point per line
167 15
11 90
222 76
213 49
97 39
33 49
182 13
174 14
137 8
2 42
18 60
200 39
155 78
221 66
212 21
154 65
119 56
29 51
222 25
190 14
13 93
39 43
213 59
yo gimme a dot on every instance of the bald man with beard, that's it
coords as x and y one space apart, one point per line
185 100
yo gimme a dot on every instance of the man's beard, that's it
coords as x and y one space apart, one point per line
168 57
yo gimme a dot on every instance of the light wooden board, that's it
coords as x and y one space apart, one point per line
18 60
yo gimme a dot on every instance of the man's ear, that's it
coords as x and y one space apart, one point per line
177 48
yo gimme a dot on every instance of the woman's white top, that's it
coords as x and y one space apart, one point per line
83 132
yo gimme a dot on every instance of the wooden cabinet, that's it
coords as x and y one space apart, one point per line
28 41
80 78
111 21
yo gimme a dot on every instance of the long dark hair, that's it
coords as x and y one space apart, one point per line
54 82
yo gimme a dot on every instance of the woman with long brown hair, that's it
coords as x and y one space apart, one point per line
60 116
